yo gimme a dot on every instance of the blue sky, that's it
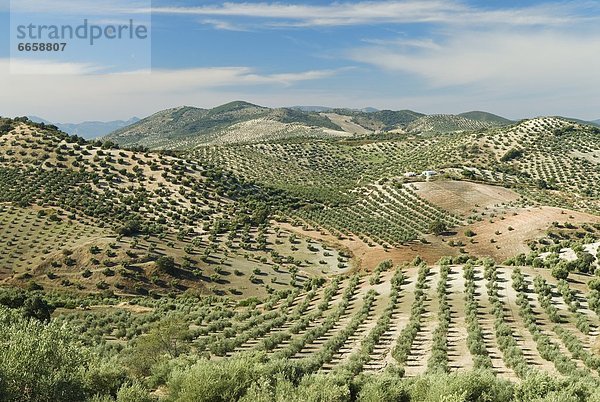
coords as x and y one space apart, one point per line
514 58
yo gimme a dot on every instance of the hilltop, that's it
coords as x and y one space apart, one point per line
241 122
485 116
186 127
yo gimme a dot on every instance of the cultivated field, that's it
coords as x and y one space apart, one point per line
432 264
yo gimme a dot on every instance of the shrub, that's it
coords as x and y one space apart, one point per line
41 362
438 227
560 271
511 154
166 264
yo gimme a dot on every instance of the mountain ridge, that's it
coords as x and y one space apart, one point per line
88 129
187 127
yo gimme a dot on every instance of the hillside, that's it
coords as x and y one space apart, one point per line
381 120
235 122
85 216
485 116
453 123
241 122
556 155
274 266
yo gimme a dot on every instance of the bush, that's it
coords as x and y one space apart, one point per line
133 393
385 387
511 154
166 264
438 227
560 271
215 381
43 362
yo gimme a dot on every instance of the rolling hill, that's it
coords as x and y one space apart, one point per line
264 264
187 127
485 116
241 122
86 216
453 123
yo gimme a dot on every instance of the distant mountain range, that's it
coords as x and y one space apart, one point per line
88 129
242 122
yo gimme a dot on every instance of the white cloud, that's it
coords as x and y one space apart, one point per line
224 25
518 72
80 7
377 12
500 61
39 67
110 96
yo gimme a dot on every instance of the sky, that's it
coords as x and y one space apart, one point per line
517 59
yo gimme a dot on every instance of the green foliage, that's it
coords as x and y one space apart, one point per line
560 271
166 264
167 340
438 227
384 387
44 362
131 227
511 154
470 386
134 392
216 381
470 233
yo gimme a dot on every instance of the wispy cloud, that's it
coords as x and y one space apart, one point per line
224 25
80 7
139 92
497 60
41 67
381 12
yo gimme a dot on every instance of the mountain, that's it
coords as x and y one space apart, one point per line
242 122
381 120
485 116
187 127
88 129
